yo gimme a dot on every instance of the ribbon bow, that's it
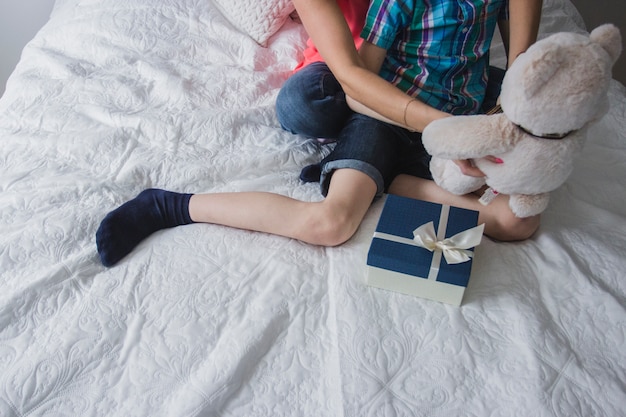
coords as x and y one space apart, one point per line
455 248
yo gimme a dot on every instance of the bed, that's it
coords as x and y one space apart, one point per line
112 97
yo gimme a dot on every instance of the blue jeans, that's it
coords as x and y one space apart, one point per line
378 149
312 103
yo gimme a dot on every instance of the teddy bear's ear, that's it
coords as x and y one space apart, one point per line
609 38
541 68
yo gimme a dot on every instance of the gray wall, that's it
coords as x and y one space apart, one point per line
597 12
20 20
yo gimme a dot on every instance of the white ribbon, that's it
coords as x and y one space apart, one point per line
455 248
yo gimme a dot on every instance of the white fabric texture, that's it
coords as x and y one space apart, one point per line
258 18
112 97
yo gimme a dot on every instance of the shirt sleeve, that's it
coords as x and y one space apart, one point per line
385 19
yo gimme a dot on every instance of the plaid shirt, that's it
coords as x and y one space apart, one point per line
437 50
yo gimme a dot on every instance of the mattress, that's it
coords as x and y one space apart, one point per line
112 97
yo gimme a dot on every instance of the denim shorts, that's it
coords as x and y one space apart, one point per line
384 151
380 150
312 103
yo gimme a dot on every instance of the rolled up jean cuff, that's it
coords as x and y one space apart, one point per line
329 167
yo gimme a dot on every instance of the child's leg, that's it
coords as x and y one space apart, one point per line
500 222
312 103
329 222
357 170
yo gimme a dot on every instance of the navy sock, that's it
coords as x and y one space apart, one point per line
311 173
125 227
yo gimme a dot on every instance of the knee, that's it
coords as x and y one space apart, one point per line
295 103
511 228
285 103
294 113
311 108
327 228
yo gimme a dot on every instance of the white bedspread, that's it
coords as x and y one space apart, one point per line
112 97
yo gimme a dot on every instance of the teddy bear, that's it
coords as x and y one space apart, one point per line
550 96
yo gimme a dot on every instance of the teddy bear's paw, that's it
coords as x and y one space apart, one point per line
524 205
448 176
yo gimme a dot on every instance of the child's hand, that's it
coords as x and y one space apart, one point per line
467 166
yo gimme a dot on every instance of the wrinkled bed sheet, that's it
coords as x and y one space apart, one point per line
112 97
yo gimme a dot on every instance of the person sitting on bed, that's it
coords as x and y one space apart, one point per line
371 156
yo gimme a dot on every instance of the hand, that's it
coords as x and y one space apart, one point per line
467 166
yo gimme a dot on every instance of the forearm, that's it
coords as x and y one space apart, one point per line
363 109
523 25
380 99
414 115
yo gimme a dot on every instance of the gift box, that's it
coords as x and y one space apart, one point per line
423 249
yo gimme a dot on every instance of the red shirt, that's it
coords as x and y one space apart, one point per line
354 11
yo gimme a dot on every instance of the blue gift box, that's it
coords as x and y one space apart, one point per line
397 261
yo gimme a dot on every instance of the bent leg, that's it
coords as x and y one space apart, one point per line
500 222
329 222
312 103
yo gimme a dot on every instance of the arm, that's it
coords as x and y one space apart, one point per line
327 28
520 31
372 58
415 114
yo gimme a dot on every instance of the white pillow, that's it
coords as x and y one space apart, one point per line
260 19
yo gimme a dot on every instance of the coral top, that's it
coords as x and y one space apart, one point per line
354 11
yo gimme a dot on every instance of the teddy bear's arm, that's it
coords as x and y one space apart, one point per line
466 137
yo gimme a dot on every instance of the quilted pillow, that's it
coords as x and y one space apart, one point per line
260 19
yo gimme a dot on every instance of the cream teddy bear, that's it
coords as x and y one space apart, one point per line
550 96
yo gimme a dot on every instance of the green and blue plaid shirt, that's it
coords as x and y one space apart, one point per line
437 50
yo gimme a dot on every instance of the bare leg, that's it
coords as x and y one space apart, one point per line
329 222
500 222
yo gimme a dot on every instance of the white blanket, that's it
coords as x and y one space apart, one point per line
112 97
